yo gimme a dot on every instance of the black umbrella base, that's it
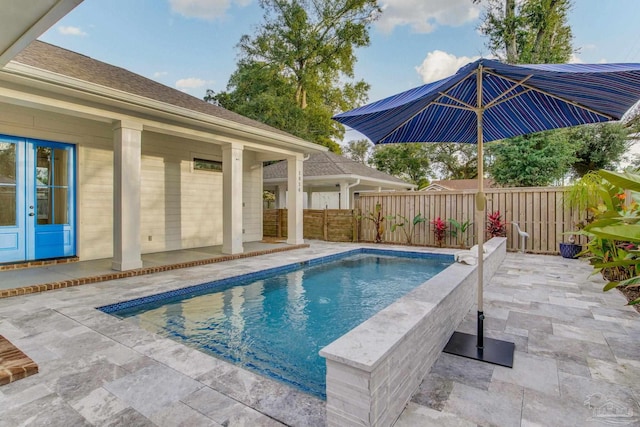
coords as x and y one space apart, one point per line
493 351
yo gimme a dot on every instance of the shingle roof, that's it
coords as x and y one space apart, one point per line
330 164
461 184
62 61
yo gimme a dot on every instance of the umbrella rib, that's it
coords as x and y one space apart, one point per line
427 106
560 98
495 103
460 107
497 100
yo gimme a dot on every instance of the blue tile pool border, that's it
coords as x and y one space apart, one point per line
262 274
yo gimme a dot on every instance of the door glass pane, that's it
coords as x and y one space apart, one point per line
61 208
60 166
43 168
44 206
7 184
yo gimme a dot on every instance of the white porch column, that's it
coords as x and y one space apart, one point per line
281 197
232 199
344 195
294 201
127 152
309 198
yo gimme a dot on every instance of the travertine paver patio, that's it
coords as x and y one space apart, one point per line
577 358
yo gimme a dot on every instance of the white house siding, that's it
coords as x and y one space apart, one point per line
251 198
180 208
94 165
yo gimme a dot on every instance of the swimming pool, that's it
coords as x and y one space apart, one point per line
274 322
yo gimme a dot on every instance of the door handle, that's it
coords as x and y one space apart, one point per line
31 214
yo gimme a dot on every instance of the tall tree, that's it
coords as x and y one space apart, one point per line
409 161
358 150
531 160
456 161
599 146
528 31
300 64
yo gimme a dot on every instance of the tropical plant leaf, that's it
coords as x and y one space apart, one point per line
610 286
624 232
620 263
626 180
635 280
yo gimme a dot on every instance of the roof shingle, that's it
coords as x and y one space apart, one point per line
71 64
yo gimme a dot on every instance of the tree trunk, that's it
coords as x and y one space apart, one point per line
510 31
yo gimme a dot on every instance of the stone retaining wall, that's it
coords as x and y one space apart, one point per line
374 369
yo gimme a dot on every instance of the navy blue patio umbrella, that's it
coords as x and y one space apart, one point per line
485 101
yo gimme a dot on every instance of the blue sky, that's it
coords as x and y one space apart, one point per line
190 44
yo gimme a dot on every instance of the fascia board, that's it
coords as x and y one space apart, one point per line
110 96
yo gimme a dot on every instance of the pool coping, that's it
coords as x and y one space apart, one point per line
241 279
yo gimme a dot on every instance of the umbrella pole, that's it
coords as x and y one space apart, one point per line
486 350
480 213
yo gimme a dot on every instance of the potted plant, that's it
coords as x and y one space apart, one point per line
582 197
570 249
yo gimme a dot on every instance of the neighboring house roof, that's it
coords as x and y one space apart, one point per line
458 185
55 59
329 164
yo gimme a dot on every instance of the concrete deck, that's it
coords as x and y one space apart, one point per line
577 358
101 268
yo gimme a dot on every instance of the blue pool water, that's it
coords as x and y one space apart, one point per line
275 322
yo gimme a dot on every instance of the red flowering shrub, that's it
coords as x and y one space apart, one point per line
439 230
496 227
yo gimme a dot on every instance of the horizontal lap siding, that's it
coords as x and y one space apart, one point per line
180 208
94 154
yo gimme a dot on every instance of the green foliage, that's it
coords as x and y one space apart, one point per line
269 197
405 161
458 230
615 231
294 71
531 160
599 146
378 219
584 196
408 227
528 31
358 150
456 161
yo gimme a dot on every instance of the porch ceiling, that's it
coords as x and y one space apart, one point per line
21 24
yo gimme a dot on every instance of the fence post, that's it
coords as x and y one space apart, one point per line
278 225
354 220
325 226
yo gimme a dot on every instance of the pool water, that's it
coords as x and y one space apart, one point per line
276 325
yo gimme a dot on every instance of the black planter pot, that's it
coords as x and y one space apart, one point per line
570 250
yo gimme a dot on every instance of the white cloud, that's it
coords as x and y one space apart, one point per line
575 59
192 83
438 65
71 31
208 10
423 16
158 74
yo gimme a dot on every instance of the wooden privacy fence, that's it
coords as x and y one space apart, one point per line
333 225
539 211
